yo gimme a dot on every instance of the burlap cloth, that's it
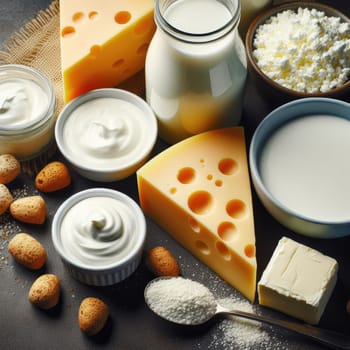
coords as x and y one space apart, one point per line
37 44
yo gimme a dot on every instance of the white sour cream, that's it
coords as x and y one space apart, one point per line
98 231
22 101
105 132
305 167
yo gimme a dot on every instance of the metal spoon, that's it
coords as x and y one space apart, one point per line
333 340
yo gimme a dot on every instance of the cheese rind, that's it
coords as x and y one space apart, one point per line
298 281
198 190
103 42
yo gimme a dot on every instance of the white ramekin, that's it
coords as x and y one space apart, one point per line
111 273
108 172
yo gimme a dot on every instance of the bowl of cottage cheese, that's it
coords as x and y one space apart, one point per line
300 49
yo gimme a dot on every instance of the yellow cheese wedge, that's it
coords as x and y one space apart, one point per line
199 191
103 42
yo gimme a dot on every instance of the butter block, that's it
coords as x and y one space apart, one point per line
103 42
198 190
298 281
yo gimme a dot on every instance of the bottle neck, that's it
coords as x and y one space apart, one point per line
167 10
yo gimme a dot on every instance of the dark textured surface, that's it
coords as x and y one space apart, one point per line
131 325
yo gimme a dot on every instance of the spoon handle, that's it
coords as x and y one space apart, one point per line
326 337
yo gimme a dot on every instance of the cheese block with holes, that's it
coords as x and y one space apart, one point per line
199 191
103 42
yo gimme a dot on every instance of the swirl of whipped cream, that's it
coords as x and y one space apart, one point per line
105 132
21 101
98 231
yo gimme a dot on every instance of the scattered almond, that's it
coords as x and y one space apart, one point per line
5 198
53 177
27 251
161 262
45 291
10 168
93 315
31 210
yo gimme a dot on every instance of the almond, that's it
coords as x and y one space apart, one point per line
10 168
93 315
27 251
31 210
161 262
53 177
45 291
5 198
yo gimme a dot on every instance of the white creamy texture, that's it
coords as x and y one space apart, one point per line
22 101
213 16
305 50
304 165
105 132
195 87
98 231
298 281
181 300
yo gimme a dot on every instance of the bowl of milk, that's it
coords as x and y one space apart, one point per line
300 168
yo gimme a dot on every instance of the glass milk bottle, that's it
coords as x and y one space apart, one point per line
195 67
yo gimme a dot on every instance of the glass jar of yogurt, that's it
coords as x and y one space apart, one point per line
195 67
27 111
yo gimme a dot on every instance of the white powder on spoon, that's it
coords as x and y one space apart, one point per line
180 300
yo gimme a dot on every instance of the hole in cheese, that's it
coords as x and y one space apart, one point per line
228 166
202 247
67 31
95 50
249 250
194 225
122 17
118 63
227 231
236 209
186 175
200 202
142 49
210 177
223 250
218 183
77 17
93 15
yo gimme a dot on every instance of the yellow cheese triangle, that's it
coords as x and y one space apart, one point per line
199 191
103 42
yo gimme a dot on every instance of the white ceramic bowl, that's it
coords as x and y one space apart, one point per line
108 142
99 254
301 175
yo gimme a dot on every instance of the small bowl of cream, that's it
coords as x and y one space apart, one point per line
27 111
299 166
106 134
99 234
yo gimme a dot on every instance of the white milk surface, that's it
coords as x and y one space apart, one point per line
306 166
197 16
